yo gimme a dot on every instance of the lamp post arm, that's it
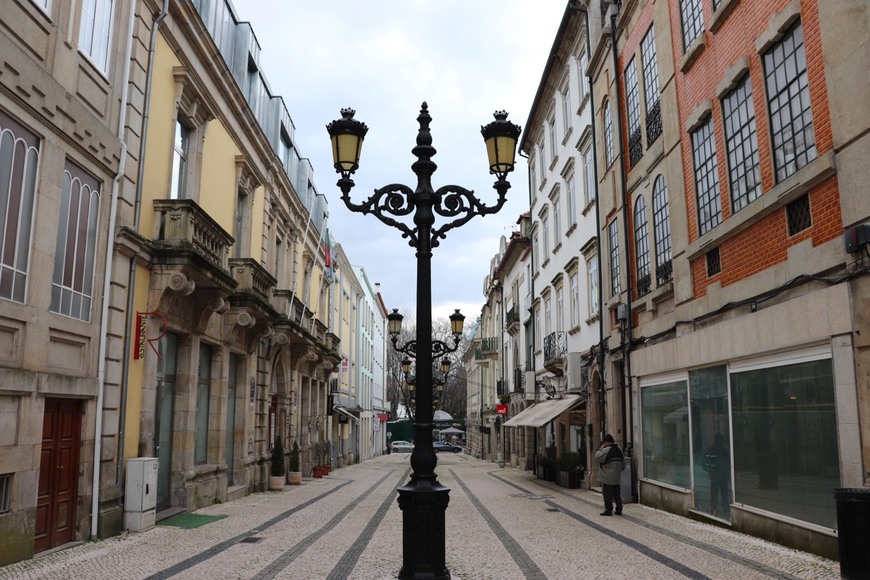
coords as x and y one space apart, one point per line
453 201
439 348
394 199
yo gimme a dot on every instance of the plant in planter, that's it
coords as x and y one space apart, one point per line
570 473
294 476
276 479
546 468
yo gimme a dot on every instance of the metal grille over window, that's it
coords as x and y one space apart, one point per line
632 99
641 247
693 20
5 492
799 217
706 178
714 266
743 172
791 116
651 87
662 231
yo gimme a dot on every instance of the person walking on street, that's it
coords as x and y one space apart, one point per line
611 459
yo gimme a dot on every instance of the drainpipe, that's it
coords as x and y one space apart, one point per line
131 274
530 348
107 280
628 338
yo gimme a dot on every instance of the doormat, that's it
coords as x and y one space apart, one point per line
190 521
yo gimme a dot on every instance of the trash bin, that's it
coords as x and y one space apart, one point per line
853 529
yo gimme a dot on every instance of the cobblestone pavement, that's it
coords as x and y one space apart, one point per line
501 524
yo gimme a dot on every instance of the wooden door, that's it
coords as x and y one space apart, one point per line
58 474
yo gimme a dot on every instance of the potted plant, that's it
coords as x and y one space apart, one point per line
277 477
569 470
294 476
546 468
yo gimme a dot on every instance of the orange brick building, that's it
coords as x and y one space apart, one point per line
730 144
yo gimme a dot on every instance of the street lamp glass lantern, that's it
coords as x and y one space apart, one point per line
347 135
406 366
501 138
394 322
457 321
445 365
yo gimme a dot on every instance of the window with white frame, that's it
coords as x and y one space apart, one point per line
692 17
582 65
566 108
95 30
651 86
19 162
589 172
44 4
547 316
788 101
575 299
592 284
536 252
551 134
557 222
538 337
571 196
744 175
706 178
559 321
72 285
533 173
662 231
542 170
608 135
545 237
641 247
180 154
613 239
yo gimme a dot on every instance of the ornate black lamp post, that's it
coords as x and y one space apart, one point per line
423 500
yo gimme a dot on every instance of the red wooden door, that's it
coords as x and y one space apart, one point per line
58 474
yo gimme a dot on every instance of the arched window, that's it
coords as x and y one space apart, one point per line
641 247
662 231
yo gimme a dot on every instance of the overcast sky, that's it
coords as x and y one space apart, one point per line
465 58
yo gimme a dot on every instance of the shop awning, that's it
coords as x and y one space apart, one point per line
543 412
345 412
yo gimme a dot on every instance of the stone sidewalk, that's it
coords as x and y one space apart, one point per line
501 524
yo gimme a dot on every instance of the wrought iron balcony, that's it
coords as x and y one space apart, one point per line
653 122
501 388
664 272
183 225
644 284
489 346
635 147
519 380
512 320
555 347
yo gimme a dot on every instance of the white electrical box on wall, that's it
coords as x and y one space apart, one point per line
140 497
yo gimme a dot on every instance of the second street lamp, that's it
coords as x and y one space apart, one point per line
423 500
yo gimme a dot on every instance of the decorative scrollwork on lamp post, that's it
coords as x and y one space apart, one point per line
423 500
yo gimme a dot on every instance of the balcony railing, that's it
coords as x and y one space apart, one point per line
489 345
182 224
252 278
555 347
512 320
635 147
644 284
653 122
501 388
664 272
519 379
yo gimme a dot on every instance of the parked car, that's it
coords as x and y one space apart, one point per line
401 447
445 446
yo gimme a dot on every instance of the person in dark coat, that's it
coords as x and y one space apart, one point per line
611 459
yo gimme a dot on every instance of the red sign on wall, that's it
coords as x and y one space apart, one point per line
501 409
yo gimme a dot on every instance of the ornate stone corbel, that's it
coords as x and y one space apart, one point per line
179 282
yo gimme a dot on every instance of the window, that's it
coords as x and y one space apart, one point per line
44 4
739 120
613 238
651 87
95 30
589 170
662 231
641 247
541 169
75 251
203 398
632 105
608 135
179 161
536 253
547 320
557 222
533 173
706 178
538 337
566 109
559 321
545 237
285 153
572 199
592 284
711 440
714 264
798 213
785 451
5 493
788 96
19 160
693 20
582 65
665 424
551 134
575 299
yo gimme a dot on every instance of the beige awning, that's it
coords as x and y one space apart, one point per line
543 412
